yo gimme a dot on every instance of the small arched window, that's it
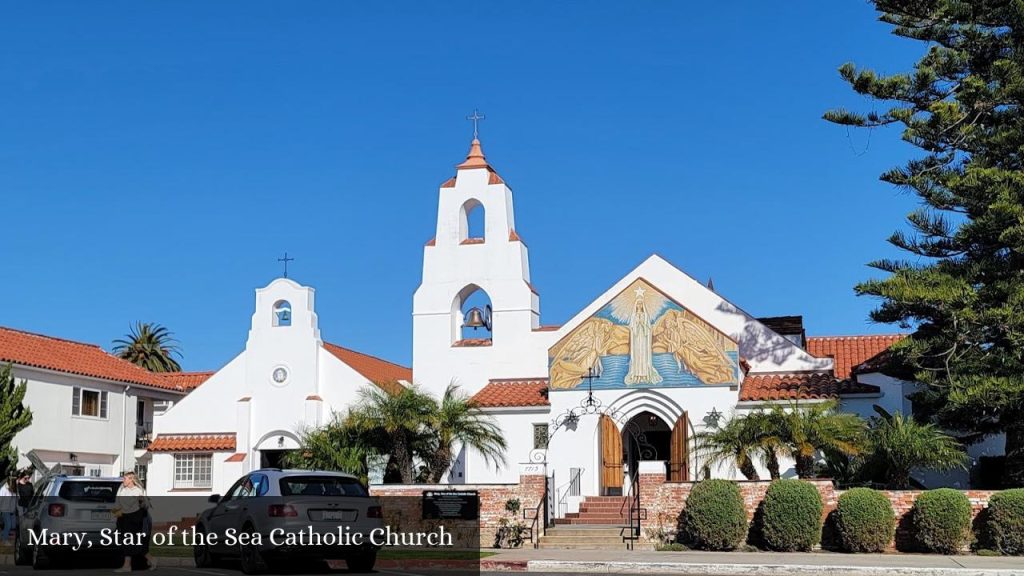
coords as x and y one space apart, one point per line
282 313
472 222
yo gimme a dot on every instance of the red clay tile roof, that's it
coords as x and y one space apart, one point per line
432 242
799 386
851 386
494 178
236 457
472 241
372 368
187 380
512 236
449 183
848 352
513 393
70 357
547 328
214 442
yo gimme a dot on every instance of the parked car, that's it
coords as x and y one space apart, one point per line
64 506
282 502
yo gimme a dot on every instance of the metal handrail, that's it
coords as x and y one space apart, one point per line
635 513
566 489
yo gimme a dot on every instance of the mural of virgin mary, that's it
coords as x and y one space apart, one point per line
641 365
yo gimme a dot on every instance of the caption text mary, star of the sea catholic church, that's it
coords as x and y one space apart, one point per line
307 536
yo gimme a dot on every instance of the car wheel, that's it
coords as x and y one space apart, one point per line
362 563
40 560
250 557
22 553
201 553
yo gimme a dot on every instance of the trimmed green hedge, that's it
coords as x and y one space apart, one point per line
715 517
1006 521
942 520
865 521
791 515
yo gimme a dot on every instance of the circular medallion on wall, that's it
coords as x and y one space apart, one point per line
279 376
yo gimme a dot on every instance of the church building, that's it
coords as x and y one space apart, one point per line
624 386
621 387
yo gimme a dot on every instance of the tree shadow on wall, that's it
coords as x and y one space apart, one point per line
755 535
905 539
830 533
758 343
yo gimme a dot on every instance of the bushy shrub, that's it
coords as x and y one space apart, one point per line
942 520
791 516
864 521
715 517
1006 521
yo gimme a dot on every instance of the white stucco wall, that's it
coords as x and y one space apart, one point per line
105 443
244 399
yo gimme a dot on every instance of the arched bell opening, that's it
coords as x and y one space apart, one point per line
471 317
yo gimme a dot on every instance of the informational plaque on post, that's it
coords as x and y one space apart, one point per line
451 504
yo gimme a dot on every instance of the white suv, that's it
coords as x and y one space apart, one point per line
331 511
66 505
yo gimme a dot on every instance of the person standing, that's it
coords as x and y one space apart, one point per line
132 507
24 489
8 510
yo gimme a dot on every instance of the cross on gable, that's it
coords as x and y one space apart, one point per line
286 260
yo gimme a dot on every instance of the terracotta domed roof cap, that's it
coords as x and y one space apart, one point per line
475 158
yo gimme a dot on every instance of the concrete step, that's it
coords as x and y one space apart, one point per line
549 546
598 521
595 530
581 540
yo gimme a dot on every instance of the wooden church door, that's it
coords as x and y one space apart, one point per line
611 457
678 467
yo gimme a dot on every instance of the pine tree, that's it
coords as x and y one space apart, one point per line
14 417
962 292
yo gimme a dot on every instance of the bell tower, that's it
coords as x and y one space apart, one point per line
475 309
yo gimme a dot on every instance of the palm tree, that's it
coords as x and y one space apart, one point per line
400 419
457 419
899 444
732 442
337 446
807 430
150 346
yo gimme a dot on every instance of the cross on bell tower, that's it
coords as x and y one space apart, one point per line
476 117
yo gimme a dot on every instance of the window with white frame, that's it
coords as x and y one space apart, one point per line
193 470
87 402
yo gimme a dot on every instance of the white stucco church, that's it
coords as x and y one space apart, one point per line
622 386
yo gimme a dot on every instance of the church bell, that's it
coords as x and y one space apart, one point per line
477 318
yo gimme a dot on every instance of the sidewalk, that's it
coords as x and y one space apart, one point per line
751 563
709 563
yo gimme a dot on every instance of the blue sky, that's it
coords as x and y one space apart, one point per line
157 157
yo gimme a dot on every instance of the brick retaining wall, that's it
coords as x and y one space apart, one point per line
406 512
664 501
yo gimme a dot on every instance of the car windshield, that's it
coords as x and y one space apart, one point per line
89 491
321 486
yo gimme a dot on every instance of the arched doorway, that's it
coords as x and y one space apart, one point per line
644 437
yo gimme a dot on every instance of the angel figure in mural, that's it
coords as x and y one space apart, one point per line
583 350
641 365
695 348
